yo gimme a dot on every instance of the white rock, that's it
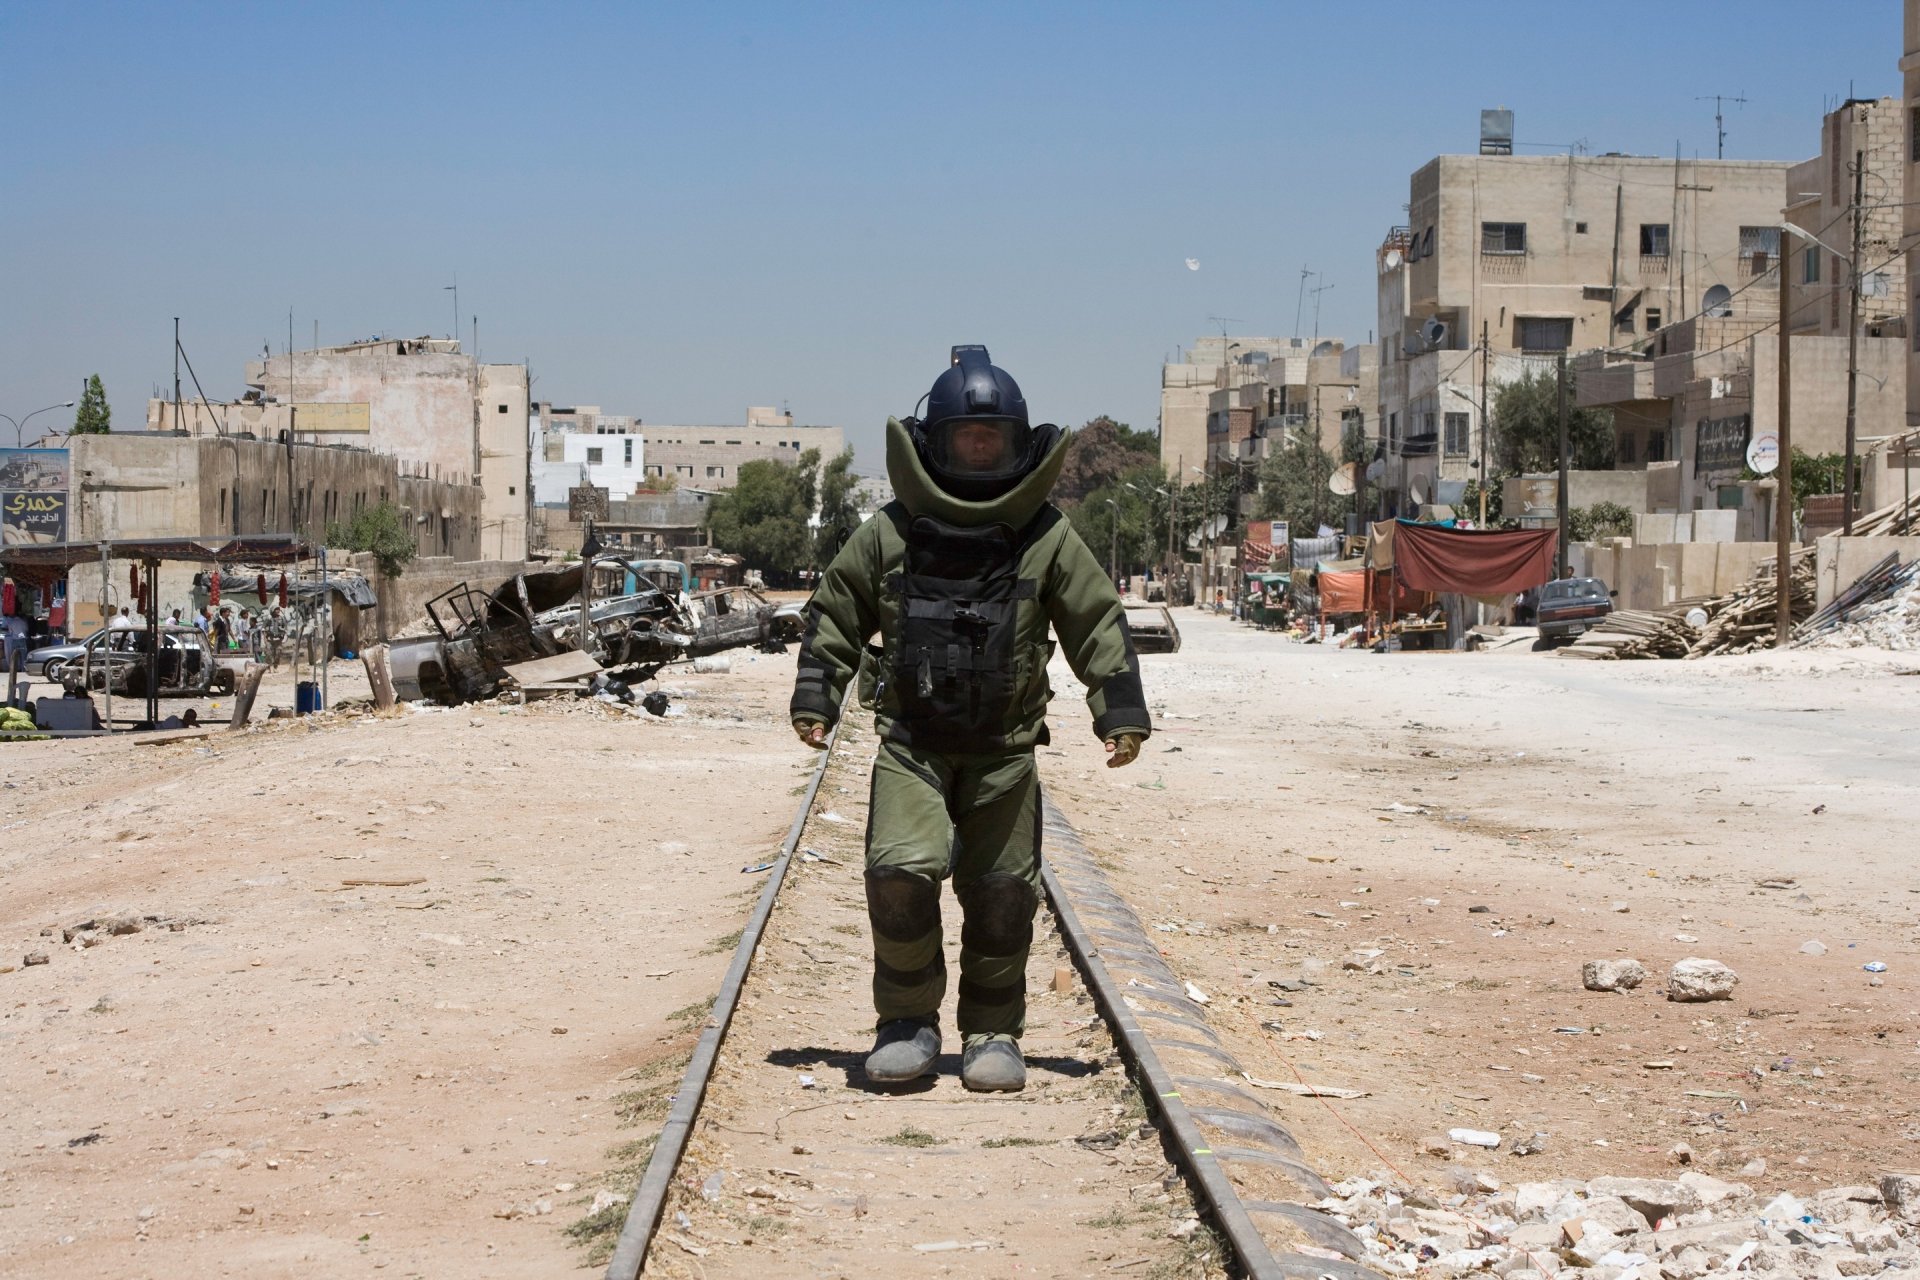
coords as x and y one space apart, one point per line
1711 1190
1612 975
1901 1191
1652 1198
1694 981
1813 947
1475 1137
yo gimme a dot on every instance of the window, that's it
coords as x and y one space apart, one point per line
706 442
1426 243
1653 319
1913 133
1393 433
1624 321
1810 265
1653 239
594 457
1503 237
1543 333
685 471
716 473
511 490
737 442
1579 228
1656 446
1759 246
1624 450
1875 284
503 409
1456 435
629 459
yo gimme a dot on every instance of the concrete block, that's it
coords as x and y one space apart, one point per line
1715 526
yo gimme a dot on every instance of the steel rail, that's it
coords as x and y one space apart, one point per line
650 1198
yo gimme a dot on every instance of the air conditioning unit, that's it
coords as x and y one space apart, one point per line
1434 333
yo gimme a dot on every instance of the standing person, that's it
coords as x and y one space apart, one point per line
120 621
203 621
222 631
276 633
961 576
242 629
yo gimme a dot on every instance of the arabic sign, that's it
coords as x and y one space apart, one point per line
1720 444
33 495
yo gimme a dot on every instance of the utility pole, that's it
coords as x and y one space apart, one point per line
177 424
1300 298
1783 476
1560 405
1486 357
1853 345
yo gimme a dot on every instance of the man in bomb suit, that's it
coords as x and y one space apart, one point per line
960 578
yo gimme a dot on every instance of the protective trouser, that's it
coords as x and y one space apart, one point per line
976 818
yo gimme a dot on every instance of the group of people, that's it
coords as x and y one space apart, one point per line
259 632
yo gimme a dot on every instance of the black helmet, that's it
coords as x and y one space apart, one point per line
975 439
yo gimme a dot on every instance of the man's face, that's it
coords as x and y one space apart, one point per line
980 446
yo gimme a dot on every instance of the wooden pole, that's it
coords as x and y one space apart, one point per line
379 675
1783 477
1560 402
1853 349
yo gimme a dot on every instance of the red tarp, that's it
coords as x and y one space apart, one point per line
1343 592
1474 562
1393 597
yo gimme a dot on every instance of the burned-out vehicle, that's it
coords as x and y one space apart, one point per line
632 634
186 667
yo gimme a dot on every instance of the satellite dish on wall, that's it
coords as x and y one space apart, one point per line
1343 481
1434 333
1392 260
1418 494
1376 469
1718 301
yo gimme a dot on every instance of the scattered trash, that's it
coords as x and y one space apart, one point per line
655 703
1530 1146
1875 966
1304 1090
831 816
1813 947
1198 996
808 1082
710 1189
952 1246
755 868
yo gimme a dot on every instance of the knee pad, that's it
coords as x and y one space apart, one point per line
902 906
999 920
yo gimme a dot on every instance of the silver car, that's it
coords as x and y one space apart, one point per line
49 660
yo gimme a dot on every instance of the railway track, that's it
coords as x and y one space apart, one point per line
1133 1151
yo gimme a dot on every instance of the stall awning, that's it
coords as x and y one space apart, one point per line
1474 562
45 561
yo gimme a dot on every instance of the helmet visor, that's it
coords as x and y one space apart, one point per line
979 448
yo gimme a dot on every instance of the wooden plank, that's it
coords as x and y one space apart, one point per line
572 665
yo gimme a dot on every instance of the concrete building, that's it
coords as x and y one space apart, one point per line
581 445
1910 199
710 457
1507 260
1187 385
440 412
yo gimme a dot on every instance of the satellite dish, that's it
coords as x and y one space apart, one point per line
1392 259
1763 454
1376 469
1419 494
1193 264
1344 480
1718 301
1434 333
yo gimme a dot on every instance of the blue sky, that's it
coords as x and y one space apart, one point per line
678 211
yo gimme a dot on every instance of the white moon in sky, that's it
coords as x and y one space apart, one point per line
1193 264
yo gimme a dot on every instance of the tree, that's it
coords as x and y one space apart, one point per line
764 516
839 512
1293 486
1601 520
1526 429
1138 517
378 529
1098 453
94 417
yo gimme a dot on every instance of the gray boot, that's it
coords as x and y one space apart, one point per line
992 1064
904 1050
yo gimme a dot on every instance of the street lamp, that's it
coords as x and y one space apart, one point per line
20 427
1113 548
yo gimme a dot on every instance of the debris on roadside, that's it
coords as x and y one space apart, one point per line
1696 981
1612 975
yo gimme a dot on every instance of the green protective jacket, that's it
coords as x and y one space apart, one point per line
858 598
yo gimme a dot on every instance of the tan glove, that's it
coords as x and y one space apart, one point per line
811 732
1123 747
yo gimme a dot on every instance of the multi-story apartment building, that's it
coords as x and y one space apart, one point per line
1187 386
1506 261
1910 199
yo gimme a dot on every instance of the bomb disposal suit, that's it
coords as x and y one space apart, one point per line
960 578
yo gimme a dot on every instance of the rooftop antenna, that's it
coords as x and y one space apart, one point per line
1719 120
455 287
1223 322
1317 291
1299 298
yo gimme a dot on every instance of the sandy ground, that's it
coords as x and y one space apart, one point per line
1562 811
283 1074
289 1075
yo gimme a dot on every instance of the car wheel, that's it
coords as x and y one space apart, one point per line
53 668
223 681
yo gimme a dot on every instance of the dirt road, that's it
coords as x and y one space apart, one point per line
1389 870
398 976
282 1072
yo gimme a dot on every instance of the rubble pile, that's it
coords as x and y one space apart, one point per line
1885 614
1632 1228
